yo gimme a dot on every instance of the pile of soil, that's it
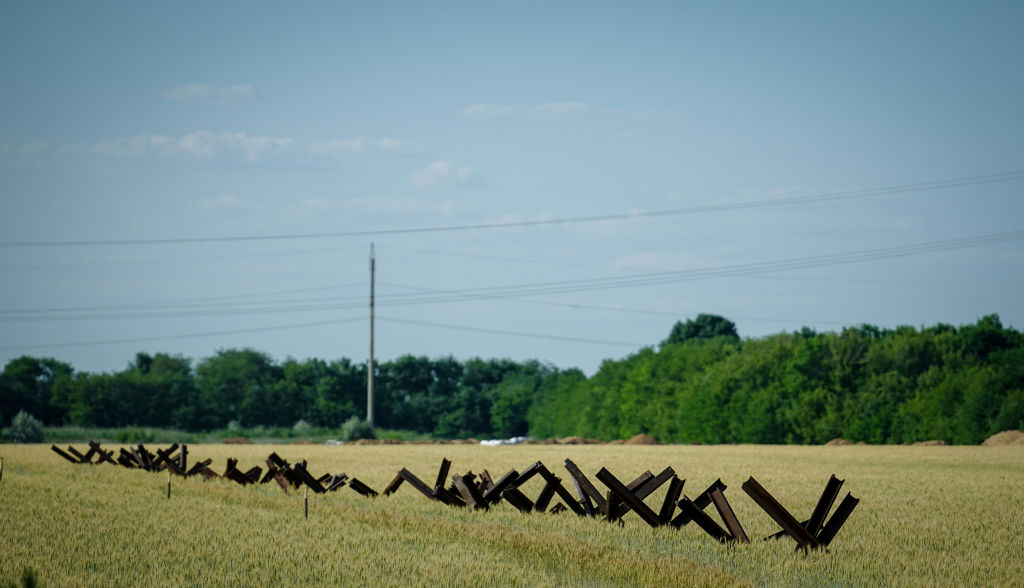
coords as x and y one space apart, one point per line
838 441
642 439
930 442
1005 438
575 440
237 441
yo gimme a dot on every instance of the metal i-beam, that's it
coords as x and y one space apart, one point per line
779 514
624 494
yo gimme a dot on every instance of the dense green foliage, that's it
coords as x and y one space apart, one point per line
25 428
702 384
862 384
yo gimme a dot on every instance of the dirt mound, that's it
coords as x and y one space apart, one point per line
575 440
930 442
237 441
1005 438
838 441
642 439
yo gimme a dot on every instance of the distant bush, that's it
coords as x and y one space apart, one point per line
301 427
356 428
25 428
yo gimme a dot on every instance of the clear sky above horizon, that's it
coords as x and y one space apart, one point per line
552 181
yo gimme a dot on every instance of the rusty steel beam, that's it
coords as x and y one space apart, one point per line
584 502
493 495
517 499
828 498
556 483
164 455
528 473
779 514
701 502
417 483
646 488
468 490
442 473
278 461
303 475
63 454
544 498
449 497
198 467
486 483
393 485
732 524
668 505
362 488
336 481
87 458
627 496
103 455
78 456
584 485
828 533
253 475
696 514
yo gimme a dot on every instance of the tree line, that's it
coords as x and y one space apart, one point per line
702 384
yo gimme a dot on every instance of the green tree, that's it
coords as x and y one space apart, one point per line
705 326
237 384
33 384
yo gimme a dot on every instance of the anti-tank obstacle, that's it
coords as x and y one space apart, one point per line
482 492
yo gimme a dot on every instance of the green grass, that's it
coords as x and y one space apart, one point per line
928 516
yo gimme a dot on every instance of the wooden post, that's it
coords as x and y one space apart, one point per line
168 484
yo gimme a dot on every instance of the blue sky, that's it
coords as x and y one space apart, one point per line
151 155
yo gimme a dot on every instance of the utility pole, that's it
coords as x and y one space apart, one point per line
369 364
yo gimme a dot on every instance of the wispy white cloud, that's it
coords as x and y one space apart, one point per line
441 172
335 147
482 111
211 145
231 93
568 110
199 145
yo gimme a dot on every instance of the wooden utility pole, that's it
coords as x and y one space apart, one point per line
369 364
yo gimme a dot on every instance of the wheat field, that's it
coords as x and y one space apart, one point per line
927 516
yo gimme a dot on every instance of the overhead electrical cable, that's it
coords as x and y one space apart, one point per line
183 336
509 333
543 288
825 197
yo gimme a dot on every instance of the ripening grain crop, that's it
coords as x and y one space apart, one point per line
928 516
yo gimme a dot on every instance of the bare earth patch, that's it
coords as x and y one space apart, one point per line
1005 438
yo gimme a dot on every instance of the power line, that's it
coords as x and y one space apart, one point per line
538 289
183 336
830 196
510 333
